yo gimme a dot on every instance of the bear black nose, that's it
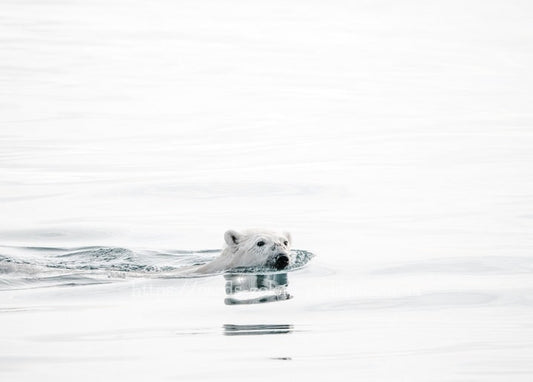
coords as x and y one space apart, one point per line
281 261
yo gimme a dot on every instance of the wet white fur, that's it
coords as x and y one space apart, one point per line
241 250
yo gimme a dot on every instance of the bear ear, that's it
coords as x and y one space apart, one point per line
232 237
288 236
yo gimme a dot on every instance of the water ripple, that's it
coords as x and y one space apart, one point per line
30 267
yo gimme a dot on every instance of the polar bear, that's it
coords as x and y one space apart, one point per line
251 248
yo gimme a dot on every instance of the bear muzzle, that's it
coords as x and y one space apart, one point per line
281 261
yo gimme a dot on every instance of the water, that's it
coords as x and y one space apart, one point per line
393 140
33 267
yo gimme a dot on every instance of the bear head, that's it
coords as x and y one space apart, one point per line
259 248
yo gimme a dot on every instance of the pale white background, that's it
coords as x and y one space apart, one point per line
393 139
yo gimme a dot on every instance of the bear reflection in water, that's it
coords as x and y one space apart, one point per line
242 288
256 330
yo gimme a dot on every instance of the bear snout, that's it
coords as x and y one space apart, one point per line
281 261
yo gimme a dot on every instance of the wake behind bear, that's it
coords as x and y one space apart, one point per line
252 248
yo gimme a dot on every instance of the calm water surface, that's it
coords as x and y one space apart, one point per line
392 140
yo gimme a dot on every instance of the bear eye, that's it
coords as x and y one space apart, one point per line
285 243
260 243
